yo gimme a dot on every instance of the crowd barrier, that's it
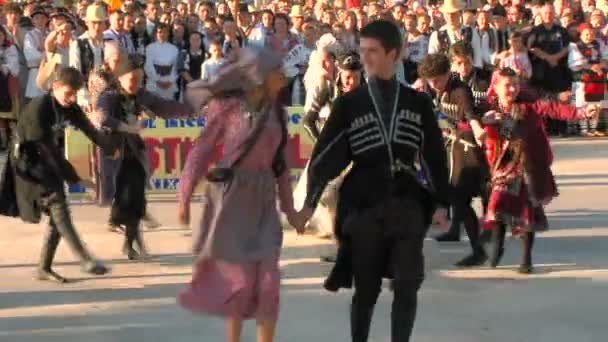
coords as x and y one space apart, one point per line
168 143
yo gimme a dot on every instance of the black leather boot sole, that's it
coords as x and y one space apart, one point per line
525 269
95 268
447 237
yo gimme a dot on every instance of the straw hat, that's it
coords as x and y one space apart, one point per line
296 11
452 6
96 13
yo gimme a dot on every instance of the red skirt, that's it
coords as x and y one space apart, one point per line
515 209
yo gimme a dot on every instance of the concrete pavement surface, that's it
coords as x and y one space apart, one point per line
565 300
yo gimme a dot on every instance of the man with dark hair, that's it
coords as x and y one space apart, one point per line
477 79
383 210
38 169
454 108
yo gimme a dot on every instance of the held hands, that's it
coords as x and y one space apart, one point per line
183 214
440 218
299 219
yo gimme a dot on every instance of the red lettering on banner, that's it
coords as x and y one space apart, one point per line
295 157
170 146
152 144
185 148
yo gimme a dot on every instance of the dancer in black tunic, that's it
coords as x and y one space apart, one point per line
36 170
453 100
119 109
383 211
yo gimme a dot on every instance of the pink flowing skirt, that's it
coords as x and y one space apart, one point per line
234 290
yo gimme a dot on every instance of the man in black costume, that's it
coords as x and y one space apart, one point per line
33 180
453 102
383 211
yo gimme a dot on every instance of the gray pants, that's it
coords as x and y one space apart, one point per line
61 226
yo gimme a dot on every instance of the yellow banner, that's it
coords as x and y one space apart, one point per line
169 141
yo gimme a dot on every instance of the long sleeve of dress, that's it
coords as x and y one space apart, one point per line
555 110
433 157
331 154
285 191
202 154
162 107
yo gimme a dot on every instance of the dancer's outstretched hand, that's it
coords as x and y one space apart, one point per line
183 214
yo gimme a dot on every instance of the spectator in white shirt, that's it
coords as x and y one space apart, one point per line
212 65
161 65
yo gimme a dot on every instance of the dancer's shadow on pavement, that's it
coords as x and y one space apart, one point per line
61 296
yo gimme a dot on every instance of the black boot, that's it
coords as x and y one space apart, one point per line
526 262
128 250
403 313
139 241
477 258
94 267
498 248
471 225
49 247
485 236
361 313
452 235
341 275
62 221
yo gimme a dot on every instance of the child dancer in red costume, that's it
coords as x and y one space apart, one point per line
520 158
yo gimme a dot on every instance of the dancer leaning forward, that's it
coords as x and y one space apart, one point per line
33 179
119 110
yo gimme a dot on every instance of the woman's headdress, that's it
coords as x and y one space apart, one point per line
249 70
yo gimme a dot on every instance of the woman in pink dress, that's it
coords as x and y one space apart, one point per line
236 273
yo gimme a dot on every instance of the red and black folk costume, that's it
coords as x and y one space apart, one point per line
520 158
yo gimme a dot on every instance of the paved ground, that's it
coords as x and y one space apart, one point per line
565 301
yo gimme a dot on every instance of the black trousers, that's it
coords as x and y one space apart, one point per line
464 213
387 240
60 226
